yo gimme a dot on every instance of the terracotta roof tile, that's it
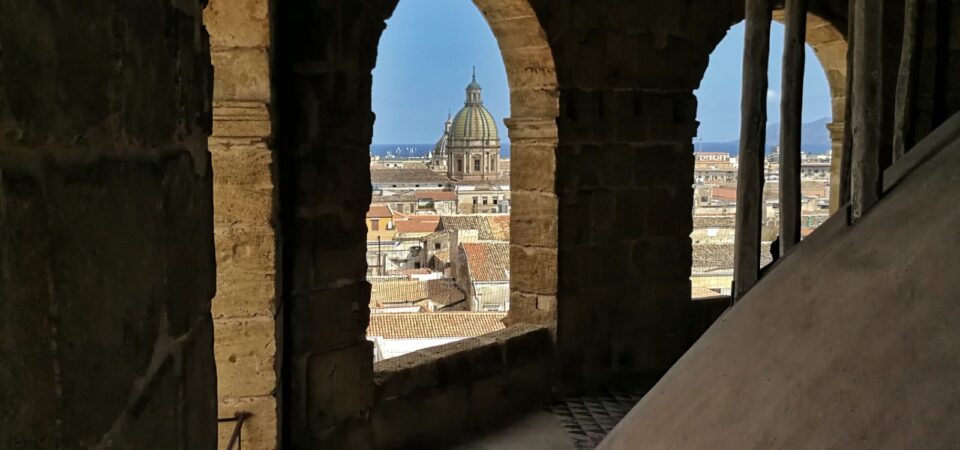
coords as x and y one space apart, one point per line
437 196
724 193
380 211
407 176
488 262
442 255
710 257
434 325
416 226
490 227
442 292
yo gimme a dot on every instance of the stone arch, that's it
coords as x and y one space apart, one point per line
324 53
830 48
532 127
244 215
829 44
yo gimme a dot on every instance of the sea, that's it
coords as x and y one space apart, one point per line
418 150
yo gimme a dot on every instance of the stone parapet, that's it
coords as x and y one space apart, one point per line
440 394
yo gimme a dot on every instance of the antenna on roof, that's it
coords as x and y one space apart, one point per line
474 73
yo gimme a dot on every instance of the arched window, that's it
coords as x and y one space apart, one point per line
716 147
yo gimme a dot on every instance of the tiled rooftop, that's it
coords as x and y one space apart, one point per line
442 255
442 292
417 226
488 262
714 222
437 196
710 257
408 176
379 211
434 325
490 227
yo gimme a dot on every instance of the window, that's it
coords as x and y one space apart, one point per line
375 224
714 217
416 265
450 282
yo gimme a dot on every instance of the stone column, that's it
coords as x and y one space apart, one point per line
533 221
245 307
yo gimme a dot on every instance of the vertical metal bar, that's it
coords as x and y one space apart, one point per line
791 122
753 125
867 107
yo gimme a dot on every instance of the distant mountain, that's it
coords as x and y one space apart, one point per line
814 137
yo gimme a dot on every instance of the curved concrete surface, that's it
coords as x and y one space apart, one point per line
852 342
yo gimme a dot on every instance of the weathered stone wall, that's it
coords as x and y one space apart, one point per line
938 90
627 72
245 307
324 52
106 248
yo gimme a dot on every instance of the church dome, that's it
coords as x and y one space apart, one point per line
474 122
440 149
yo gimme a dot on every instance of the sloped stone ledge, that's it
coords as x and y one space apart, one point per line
444 393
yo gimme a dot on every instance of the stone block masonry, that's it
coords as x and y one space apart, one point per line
245 209
106 227
443 394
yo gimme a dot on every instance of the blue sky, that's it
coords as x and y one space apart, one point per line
425 58
430 46
719 94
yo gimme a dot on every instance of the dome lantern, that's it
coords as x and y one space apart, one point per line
474 91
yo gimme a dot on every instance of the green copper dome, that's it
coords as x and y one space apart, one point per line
474 122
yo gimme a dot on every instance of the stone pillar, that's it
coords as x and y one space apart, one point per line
245 307
624 180
533 221
326 52
106 233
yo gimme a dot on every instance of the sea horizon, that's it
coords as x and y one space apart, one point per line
418 150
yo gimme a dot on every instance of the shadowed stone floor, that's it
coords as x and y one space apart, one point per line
574 423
